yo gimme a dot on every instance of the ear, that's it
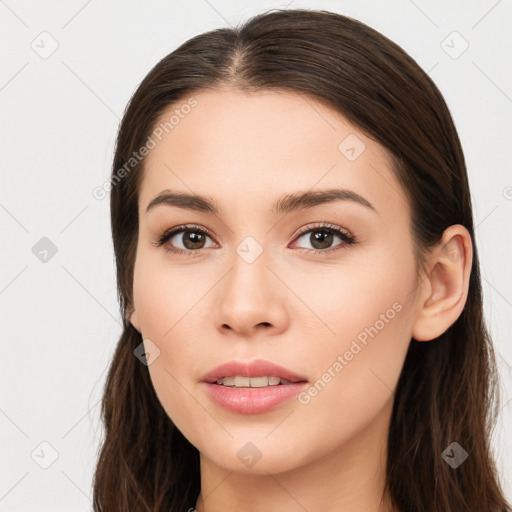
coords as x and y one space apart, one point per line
445 288
133 318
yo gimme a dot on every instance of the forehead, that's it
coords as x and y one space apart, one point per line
241 148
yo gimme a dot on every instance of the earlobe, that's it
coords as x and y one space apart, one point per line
133 318
445 290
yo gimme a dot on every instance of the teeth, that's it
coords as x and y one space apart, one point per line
252 382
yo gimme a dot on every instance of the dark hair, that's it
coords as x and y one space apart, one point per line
448 389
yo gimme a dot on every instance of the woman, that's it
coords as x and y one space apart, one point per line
303 325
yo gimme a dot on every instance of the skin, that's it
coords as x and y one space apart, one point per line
301 310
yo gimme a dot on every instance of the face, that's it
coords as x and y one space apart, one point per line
325 290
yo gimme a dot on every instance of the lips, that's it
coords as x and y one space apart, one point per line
256 368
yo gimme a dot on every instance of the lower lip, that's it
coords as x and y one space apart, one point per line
253 400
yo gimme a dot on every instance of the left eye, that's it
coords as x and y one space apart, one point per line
322 238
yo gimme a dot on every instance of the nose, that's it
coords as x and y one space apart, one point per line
250 299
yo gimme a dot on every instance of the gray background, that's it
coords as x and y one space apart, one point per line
60 113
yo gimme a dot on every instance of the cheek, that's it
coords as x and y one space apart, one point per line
354 300
167 306
165 301
359 348
356 368
162 294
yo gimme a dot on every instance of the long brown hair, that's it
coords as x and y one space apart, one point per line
448 390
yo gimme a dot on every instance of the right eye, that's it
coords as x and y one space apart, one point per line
192 238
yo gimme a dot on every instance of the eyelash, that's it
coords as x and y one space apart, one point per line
346 238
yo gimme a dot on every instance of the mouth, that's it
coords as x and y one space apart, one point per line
253 387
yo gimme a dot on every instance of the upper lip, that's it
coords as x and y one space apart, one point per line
256 368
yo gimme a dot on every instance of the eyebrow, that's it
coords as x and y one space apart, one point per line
285 204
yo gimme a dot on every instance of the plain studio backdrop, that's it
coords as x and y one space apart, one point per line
67 72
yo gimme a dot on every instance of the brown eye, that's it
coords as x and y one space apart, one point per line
193 240
322 238
184 239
